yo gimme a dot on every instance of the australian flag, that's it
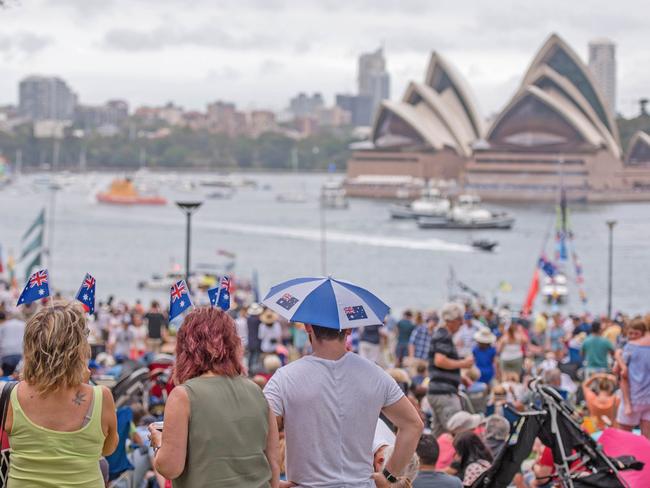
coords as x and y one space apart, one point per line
36 288
287 301
179 299
86 294
220 296
546 266
355 313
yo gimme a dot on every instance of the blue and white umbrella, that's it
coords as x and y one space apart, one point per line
326 302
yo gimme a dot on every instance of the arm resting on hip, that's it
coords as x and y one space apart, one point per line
409 425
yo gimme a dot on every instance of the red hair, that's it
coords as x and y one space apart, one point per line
207 342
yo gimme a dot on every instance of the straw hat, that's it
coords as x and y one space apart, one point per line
255 309
268 317
484 336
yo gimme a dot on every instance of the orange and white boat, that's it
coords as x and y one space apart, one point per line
123 192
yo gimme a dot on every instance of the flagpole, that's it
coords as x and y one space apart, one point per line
50 236
323 237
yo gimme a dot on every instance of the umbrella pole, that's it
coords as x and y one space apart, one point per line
323 239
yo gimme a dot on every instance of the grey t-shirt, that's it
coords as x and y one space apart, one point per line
436 479
330 411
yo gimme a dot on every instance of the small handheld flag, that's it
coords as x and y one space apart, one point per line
220 296
86 294
36 288
179 299
223 301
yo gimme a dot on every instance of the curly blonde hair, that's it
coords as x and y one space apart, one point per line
56 349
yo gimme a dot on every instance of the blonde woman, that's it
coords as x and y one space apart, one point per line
58 425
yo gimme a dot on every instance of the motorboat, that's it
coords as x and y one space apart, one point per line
123 192
555 288
484 244
467 213
294 197
431 204
202 280
333 196
223 193
229 181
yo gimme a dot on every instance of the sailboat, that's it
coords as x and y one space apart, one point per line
555 286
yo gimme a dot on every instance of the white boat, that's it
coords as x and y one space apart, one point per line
430 204
555 289
467 213
333 196
294 197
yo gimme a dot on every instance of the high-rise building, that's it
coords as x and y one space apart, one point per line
303 105
113 113
46 98
359 106
602 64
373 79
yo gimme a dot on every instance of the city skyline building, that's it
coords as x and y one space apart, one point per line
373 80
602 64
303 105
46 98
359 107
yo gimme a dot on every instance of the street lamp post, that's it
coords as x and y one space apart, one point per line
610 224
189 208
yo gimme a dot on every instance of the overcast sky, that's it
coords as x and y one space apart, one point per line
259 53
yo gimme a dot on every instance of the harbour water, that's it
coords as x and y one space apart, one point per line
404 265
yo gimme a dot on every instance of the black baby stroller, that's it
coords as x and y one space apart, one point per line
579 460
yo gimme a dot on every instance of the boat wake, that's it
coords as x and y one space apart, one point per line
338 237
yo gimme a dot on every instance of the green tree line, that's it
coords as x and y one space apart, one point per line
181 148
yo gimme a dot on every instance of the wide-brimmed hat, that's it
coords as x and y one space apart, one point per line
268 317
255 309
484 336
497 427
463 422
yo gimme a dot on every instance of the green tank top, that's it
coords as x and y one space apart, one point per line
227 435
53 459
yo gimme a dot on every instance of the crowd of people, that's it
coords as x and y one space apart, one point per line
424 400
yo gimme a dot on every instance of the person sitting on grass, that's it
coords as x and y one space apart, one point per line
428 477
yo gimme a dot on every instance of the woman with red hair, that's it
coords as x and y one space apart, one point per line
218 429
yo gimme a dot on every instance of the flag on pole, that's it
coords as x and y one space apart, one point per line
179 299
533 289
37 287
35 245
86 293
36 262
220 296
546 266
38 223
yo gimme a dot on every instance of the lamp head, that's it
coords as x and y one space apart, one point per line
188 206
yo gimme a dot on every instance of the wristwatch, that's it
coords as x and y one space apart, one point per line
387 474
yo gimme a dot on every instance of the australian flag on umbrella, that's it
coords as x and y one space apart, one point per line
179 299
86 293
220 296
37 287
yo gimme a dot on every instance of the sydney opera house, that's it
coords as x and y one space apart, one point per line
556 131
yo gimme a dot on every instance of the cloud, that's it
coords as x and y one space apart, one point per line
208 35
23 44
269 67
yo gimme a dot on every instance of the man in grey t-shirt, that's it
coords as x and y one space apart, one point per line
329 404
